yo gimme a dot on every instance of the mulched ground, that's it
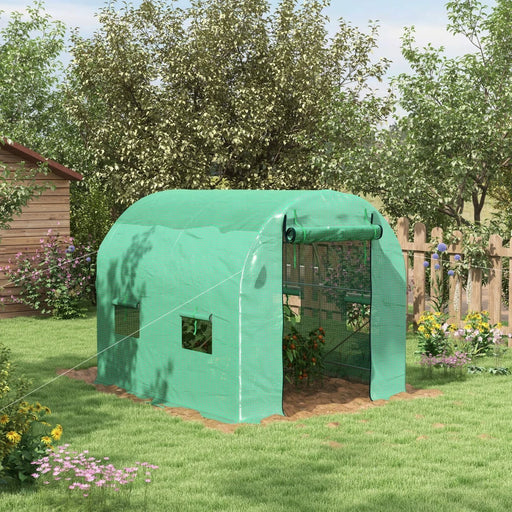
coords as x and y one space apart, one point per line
329 397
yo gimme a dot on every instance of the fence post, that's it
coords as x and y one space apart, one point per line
420 239
455 295
436 275
495 246
474 284
402 233
475 278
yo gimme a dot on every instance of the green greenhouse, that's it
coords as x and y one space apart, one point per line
196 290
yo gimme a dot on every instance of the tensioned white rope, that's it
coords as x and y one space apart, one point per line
121 340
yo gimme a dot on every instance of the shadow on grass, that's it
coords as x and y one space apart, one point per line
40 372
420 377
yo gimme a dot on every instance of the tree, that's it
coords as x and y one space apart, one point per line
224 93
453 146
31 108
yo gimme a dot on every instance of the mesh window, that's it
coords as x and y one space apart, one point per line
328 285
196 334
127 321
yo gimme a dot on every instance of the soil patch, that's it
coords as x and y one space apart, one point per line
329 397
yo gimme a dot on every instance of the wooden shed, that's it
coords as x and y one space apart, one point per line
50 210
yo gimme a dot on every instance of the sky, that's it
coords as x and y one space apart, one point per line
428 17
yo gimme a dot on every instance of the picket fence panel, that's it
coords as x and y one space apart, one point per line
479 297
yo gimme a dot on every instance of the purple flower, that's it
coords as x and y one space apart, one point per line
435 256
451 272
70 249
437 266
425 264
442 247
88 259
457 257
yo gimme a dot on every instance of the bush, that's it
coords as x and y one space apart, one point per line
479 335
92 213
57 280
25 436
442 345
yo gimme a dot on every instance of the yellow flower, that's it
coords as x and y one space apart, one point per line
47 440
421 328
38 407
47 410
57 432
4 419
13 437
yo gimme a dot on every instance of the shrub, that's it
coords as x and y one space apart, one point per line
441 345
57 280
24 433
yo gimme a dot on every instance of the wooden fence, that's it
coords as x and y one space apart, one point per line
475 296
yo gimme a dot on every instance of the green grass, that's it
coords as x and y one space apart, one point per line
449 453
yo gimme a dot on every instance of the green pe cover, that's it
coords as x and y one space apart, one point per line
216 255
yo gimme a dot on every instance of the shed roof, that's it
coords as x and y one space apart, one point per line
32 157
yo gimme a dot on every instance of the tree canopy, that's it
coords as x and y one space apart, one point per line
31 110
221 94
453 145
31 107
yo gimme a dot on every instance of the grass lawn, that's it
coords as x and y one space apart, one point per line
449 453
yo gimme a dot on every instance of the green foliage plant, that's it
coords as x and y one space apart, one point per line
31 106
221 93
57 280
92 212
17 187
25 435
303 356
452 146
